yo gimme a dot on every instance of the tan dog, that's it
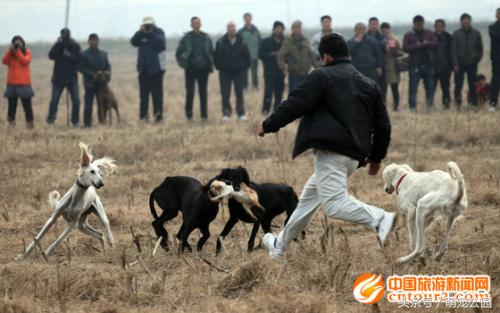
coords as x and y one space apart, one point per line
105 97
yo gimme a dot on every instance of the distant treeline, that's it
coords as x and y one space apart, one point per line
122 45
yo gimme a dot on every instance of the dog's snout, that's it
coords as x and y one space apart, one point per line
229 183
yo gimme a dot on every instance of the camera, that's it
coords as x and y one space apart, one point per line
148 27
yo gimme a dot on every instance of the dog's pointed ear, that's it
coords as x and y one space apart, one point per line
244 175
86 157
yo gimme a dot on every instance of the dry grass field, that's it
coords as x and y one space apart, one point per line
314 277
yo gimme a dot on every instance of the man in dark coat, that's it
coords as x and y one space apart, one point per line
467 52
443 66
66 54
195 55
151 42
365 53
374 31
494 30
93 60
232 59
344 119
420 43
274 79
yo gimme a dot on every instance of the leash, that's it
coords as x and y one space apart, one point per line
80 185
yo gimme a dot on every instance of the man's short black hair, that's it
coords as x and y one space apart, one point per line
326 17
334 45
93 36
247 14
373 18
464 16
438 21
418 18
194 18
385 25
278 24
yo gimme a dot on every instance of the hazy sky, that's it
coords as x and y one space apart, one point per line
41 20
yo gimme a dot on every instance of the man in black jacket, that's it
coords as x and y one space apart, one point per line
66 54
232 59
494 31
443 65
344 119
274 79
93 61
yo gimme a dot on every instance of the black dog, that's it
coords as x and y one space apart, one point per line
275 198
189 196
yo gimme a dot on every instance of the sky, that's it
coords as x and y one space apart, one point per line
41 20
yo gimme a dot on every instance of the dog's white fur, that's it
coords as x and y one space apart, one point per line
79 201
424 196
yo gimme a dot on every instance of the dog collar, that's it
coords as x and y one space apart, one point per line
400 180
80 185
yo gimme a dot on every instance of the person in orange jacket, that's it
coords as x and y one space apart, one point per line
18 58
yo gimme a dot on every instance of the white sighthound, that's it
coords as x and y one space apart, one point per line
361 289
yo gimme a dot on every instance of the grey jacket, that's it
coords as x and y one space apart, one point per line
467 47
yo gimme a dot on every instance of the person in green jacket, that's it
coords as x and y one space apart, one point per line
251 36
195 55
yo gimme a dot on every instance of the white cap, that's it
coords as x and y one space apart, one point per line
148 20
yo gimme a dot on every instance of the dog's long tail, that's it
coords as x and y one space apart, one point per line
54 198
152 204
456 174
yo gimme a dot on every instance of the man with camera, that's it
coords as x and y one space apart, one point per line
66 54
151 42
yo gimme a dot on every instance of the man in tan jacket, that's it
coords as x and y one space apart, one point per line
295 57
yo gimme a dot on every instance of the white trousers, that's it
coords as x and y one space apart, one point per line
328 187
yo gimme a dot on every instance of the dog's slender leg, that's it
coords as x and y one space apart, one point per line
410 221
422 212
61 238
101 214
444 245
117 113
227 229
205 235
188 229
85 228
251 240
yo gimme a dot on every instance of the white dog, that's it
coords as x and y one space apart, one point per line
423 197
80 200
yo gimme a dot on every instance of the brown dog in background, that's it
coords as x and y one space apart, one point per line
105 97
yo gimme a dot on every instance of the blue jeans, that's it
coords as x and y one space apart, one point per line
426 73
293 81
75 101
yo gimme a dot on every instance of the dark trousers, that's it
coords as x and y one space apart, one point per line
151 84
226 78
57 90
88 99
193 75
417 73
471 71
443 78
395 94
495 82
253 72
273 86
294 81
28 110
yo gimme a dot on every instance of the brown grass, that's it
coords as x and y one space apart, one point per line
317 274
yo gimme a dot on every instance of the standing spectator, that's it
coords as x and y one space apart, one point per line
66 54
232 59
195 56
251 37
93 60
494 31
151 42
347 128
420 43
391 73
326 28
365 53
295 56
274 80
443 66
373 30
467 51
18 58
